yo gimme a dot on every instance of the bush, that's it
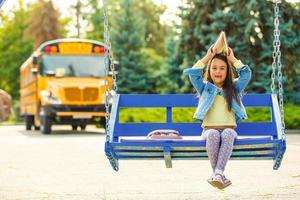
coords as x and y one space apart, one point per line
292 116
255 114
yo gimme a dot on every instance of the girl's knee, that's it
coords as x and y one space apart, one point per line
228 133
213 135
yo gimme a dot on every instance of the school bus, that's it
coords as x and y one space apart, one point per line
63 82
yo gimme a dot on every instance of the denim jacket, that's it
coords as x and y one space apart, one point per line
208 91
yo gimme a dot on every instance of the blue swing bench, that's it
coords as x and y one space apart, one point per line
261 140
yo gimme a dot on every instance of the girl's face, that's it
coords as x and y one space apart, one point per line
218 71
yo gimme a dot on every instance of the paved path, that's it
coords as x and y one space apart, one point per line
71 165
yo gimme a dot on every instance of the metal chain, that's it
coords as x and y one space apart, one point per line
109 52
277 62
109 64
275 49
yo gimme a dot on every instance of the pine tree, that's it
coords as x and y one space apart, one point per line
249 28
44 23
155 32
95 18
197 33
169 80
127 40
290 45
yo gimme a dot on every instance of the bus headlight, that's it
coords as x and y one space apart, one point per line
54 100
45 93
46 96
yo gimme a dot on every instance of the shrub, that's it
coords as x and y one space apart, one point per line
255 114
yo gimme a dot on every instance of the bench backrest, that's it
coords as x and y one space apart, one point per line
170 101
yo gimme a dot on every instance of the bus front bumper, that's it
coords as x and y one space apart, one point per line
73 114
81 115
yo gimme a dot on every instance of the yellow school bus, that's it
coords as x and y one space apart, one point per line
63 82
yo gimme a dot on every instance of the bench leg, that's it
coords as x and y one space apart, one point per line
167 157
280 153
109 154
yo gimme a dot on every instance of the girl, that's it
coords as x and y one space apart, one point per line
219 106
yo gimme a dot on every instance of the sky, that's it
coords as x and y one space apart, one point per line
64 5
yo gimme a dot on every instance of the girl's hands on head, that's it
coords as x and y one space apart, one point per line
209 55
211 52
230 56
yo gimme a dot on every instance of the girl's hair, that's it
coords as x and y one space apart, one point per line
228 86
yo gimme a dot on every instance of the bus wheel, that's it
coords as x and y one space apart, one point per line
28 121
46 124
74 127
82 127
103 122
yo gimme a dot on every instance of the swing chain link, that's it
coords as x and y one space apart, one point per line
277 63
109 64
109 52
106 61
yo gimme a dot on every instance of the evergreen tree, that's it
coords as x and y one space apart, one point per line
169 79
95 19
44 23
155 32
152 62
127 40
290 45
195 37
151 32
249 28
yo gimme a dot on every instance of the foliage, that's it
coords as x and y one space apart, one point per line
250 34
151 32
44 23
155 32
152 55
127 40
292 116
14 49
171 80
153 64
95 19
142 115
138 115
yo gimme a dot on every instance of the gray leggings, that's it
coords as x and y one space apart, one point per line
219 145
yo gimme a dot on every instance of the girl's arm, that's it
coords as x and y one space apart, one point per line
244 72
196 72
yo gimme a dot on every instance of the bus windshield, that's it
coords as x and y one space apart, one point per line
73 65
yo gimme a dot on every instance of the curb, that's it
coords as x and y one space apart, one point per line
293 131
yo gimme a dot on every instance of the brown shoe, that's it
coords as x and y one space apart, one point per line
211 179
217 181
226 182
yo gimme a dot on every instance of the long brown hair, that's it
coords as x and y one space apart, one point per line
228 87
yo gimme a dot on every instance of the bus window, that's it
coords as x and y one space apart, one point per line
73 65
